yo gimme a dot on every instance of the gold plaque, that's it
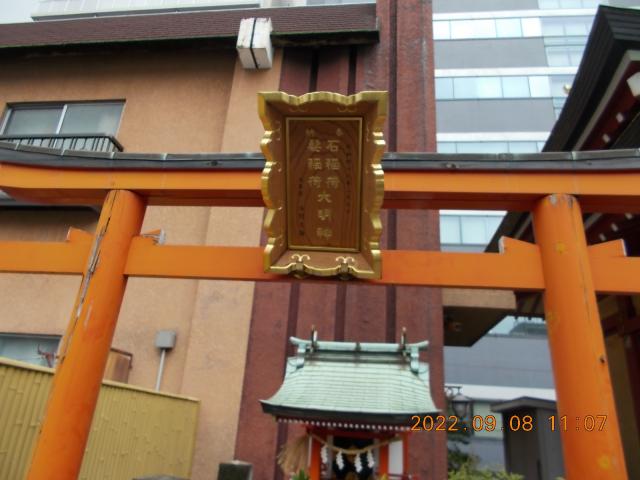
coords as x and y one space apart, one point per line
323 183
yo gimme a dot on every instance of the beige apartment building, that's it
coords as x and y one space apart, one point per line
186 102
172 83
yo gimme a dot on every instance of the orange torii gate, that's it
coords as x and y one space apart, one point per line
556 188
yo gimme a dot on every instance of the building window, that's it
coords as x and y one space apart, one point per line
518 146
564 56
64 125
473 29
520 327
41 350
467 232
64 118
577 41
508 27
444 88
441 30
558 105
561 85
35 349
531 27
474 231
450 229
484 28
534 86
515 87
566 26
512 27
540 87
476 87
554 4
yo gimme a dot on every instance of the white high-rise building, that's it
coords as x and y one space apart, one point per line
503 71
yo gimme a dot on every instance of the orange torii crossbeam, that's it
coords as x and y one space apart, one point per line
560 264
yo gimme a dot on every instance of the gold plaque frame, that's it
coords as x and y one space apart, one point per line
276 109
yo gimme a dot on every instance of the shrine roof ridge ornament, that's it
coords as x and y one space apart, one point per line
357 347
594 160
369 352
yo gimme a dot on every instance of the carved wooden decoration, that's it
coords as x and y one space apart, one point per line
323 183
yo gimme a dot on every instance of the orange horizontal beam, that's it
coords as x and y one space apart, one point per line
613 272
518 268
511 190
68 257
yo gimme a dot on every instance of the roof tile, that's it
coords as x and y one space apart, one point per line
186 25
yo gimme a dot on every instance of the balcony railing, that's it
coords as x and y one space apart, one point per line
92 142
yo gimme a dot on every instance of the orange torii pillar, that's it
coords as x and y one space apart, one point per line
85 347
580 366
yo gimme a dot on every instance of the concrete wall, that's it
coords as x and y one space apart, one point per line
500 360
489 451
39 304
490 53
175 101
501 115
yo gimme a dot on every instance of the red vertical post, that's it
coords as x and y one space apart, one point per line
384 460
85 347
405 454
580 365
315 460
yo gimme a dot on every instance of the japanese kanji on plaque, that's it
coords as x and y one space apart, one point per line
323 183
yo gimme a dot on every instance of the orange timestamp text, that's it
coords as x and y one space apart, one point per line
513 423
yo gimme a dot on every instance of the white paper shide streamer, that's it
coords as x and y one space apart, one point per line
324 454
370 461
358 463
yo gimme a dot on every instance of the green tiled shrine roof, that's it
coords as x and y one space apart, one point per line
366 382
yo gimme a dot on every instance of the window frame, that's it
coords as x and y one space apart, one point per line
34 337
530 27
462 244
14 106
539 86
454 146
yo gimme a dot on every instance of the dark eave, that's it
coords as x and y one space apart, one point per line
292 26
630 137
593 161
614 32
338 416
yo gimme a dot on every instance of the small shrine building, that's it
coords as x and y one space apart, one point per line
355 401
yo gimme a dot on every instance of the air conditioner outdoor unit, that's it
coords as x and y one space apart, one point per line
254 43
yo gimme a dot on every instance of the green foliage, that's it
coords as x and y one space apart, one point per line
469 471
301 475
455 456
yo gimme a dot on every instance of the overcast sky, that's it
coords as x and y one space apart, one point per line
14 11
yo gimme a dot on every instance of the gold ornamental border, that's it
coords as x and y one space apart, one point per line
274 109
